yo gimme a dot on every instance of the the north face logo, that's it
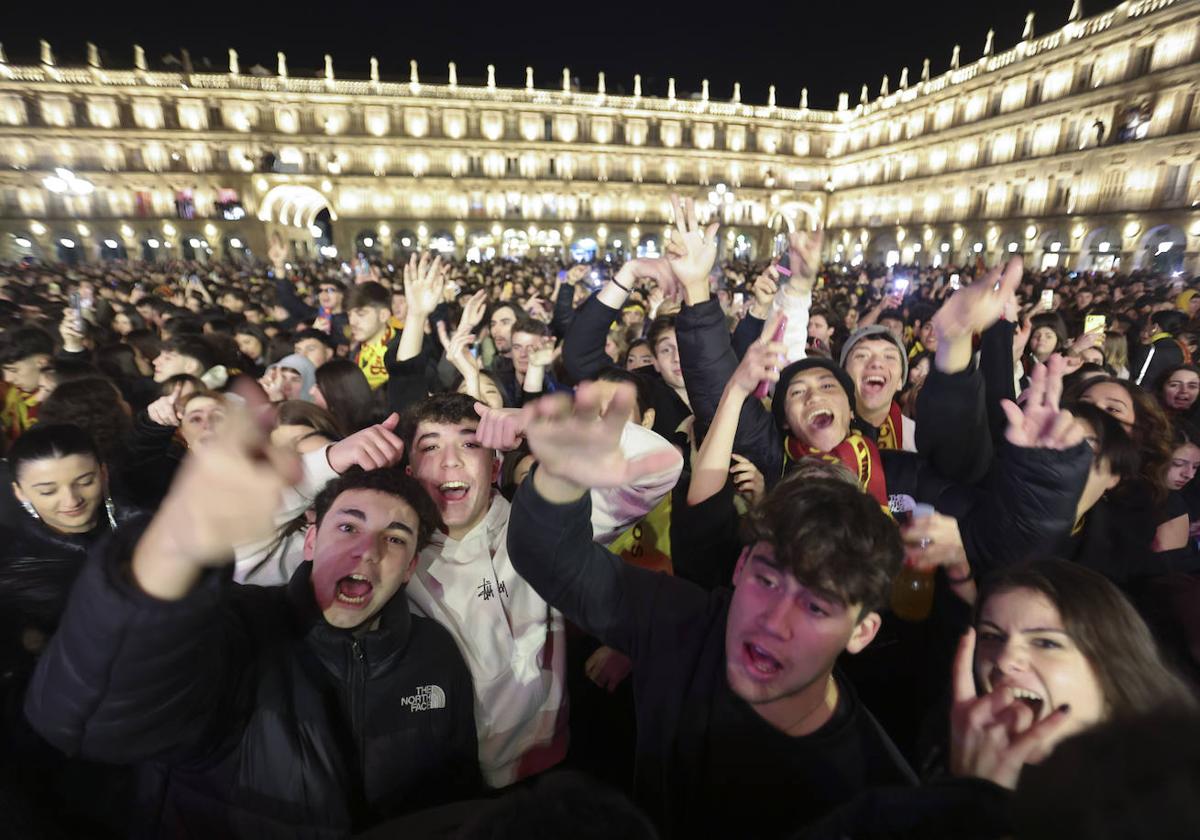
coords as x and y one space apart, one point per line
427 697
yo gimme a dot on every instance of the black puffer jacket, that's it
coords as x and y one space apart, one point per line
254 716
37 569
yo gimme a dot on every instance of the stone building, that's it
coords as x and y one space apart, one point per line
1076 147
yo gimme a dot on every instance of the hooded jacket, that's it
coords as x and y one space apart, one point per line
253 716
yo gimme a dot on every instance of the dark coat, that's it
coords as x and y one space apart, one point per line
253 716
584 358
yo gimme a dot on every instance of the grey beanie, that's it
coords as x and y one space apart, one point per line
876 331
302 366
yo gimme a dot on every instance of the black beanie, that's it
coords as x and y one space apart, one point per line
779 401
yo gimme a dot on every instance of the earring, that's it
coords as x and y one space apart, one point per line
29 509
111 511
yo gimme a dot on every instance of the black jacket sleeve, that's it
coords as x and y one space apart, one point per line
583 348
746 333
707 361
551 547
127 677
564 312
952 425
408 381
1025 506
704 537
996 367
285 293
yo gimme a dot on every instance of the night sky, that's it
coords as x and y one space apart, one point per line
825 46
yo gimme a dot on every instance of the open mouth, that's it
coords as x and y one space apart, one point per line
873 384
821 419
759 661
454 491
1031 699
353 590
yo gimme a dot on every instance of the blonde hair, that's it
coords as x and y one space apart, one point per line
1116 352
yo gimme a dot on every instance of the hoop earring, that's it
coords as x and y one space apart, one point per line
29 509
111 511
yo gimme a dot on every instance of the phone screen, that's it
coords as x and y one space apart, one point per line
1047 298
955 282
1093 323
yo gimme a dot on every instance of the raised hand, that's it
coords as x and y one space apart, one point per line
543 356
502 429
578 446
1041 424
423 283
164 411
372 448
804 251
976 307
225 494
473 311
71 331
994 736
766 285
272 384
660 270
763 360
692 250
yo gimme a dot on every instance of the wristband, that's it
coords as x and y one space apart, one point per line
619 286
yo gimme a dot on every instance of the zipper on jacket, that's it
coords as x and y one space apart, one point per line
358 697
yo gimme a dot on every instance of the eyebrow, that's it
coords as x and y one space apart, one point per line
53 483
461 432
394 525
1028 629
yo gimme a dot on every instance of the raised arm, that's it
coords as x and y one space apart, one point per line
710 469
550 540
143 654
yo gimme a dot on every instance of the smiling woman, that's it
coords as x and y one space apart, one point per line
1056 634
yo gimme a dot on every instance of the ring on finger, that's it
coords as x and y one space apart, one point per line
926 542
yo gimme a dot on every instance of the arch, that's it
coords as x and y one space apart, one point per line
294 204
1161 249
882 246
1101 249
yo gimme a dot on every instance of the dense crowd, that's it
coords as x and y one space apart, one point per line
672 547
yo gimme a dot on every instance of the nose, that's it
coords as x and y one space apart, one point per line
1012 658
774 619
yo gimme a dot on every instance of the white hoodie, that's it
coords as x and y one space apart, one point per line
511 639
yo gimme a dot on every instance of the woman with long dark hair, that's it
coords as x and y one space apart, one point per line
342 389
60 481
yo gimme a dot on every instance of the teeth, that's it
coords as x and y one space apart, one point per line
1022 694
874 380
454 485
349 600
358 577
823 412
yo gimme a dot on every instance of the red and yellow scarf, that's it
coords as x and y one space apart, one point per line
19 412
891 433
1183 348
858 453
372 359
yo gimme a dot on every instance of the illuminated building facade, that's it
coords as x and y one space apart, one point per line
1078 147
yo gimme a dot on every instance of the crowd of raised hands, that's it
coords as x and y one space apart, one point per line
844 541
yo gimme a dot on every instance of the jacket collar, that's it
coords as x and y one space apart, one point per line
382 646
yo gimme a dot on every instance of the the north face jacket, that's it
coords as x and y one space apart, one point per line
253 716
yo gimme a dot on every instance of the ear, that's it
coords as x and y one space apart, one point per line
310 542
21 497
104 478
408 470
741 564
497 465
864 632
648 419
